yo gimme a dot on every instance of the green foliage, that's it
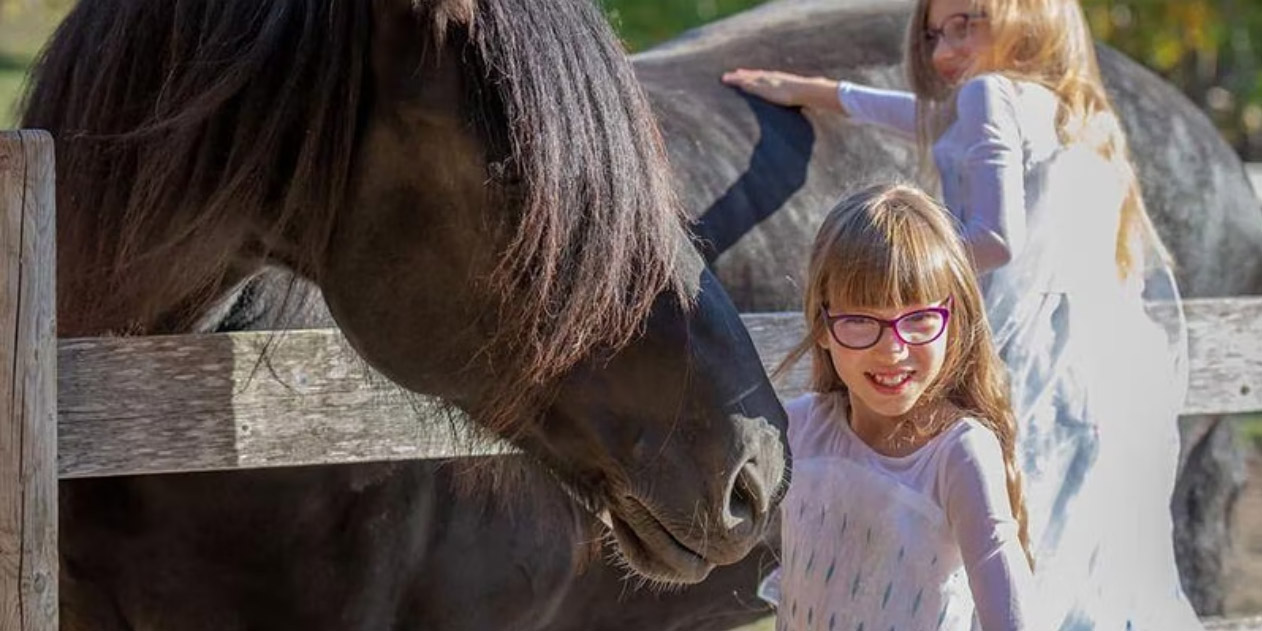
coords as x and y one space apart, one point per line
1209 48
642 23
1250 428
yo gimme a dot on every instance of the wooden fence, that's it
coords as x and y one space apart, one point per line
114 406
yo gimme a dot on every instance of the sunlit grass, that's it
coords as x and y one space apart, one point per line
766 624
1250 428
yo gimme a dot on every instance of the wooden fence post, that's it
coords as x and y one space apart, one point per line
28 380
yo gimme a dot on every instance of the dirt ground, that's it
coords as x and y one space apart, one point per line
1244 567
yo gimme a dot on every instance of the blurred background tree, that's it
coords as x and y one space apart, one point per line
1209 48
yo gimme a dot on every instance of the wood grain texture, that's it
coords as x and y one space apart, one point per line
1224 355
190 403
1224 352
28 398
1234 624
204 402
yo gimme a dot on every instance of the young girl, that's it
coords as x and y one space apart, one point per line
1008 100
905 506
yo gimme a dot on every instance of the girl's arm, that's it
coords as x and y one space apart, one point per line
786 89
993 213
892 109
975 495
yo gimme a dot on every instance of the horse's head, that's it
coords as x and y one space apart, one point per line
477 188
513 246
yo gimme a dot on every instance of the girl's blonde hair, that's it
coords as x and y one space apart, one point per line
1049 43
889 246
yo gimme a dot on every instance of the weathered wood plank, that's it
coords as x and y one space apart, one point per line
1234 624
1224 355
188 403
28 399
205 402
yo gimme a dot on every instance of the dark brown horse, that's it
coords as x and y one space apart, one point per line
479 193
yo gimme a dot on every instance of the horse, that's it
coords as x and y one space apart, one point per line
478 193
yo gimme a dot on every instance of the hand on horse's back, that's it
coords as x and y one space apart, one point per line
781 88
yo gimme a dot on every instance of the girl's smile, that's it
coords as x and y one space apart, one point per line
890 382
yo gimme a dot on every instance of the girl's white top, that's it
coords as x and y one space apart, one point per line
1001 128
1097 380
876 542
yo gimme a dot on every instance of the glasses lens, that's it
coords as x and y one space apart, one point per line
921 327
856 331
957 29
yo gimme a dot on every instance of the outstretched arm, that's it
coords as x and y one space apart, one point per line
786 89
892 109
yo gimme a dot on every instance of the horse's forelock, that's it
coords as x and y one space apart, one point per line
600 228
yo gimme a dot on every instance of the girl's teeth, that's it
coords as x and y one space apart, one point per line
891 380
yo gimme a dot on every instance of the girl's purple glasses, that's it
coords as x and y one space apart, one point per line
857 332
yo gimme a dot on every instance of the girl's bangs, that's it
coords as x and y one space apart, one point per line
892 262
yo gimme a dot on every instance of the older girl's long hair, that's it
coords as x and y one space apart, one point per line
888 246
1049 43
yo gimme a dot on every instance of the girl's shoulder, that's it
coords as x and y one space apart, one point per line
971 448
970 434
814 420
992 90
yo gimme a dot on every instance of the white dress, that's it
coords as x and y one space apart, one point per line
922 541
1096 382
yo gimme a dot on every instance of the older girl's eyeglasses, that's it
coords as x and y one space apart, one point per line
954 29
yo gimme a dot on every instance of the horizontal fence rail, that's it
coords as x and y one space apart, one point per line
1234 624
244 400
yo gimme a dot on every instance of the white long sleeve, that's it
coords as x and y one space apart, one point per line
894 110
983 148
975 497
991 193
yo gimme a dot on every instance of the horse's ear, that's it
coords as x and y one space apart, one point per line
445 13
436 16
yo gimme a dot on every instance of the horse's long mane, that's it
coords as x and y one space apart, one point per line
178 120
584 139
177 125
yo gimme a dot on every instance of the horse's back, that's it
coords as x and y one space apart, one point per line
759 178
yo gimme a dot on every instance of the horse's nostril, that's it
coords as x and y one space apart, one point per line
747 501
